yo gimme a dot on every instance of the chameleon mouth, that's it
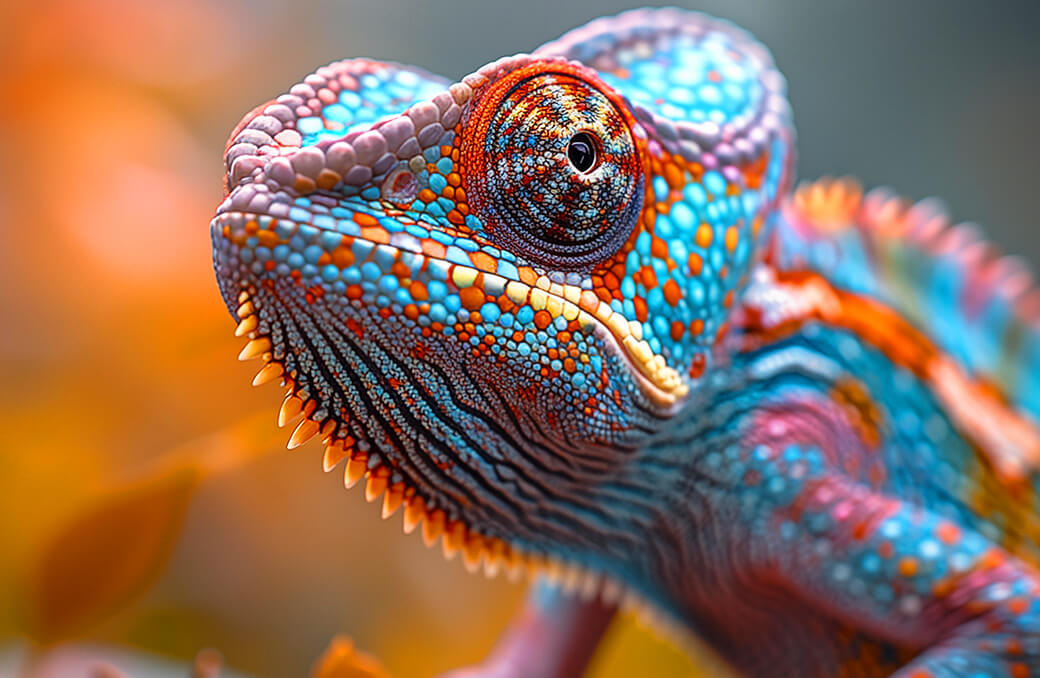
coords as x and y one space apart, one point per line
660 383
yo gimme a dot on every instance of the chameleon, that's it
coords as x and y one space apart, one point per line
571 315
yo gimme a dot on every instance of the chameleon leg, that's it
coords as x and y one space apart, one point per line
553 636
960 603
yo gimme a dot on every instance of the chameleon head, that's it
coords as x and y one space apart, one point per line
487 299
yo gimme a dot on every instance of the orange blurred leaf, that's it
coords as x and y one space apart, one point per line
342 660
104 556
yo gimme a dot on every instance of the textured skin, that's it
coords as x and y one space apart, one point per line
800 426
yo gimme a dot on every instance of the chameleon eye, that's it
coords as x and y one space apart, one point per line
581 151
551 167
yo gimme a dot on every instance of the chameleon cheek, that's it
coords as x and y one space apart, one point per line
551 167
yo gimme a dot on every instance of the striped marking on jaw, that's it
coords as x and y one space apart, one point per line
660 382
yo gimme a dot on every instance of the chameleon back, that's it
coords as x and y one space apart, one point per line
967 401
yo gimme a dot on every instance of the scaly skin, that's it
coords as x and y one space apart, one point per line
564 315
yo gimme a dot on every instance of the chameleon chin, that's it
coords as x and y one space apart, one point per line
570 315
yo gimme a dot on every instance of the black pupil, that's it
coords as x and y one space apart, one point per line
582 152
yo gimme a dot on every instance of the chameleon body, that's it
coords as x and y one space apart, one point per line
568 315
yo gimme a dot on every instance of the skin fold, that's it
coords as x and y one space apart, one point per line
568 316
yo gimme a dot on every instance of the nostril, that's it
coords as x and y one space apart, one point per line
400 186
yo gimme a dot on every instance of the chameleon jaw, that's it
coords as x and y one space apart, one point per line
494 556
660 383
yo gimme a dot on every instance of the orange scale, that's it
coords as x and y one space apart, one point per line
672 293
948 533
362 219
304 185
695 263
417 291
659 248
1018 606
375 234
267 238
697 365
991 559
343 257
472 298
646 276
674 177
542 319
642 312
704 236
732 238
484 261
434 249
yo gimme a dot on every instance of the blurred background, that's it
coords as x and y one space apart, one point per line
147 501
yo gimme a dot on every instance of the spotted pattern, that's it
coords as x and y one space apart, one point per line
615 372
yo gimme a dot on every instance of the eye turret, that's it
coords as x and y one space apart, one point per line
551 166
